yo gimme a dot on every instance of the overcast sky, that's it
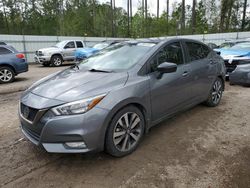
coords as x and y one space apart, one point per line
152 4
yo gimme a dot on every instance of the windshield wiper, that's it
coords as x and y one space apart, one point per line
98 70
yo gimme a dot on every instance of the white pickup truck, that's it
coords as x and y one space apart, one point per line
60 52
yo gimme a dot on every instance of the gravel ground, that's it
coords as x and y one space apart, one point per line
24 80
202 147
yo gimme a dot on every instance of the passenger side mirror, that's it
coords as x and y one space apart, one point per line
166 68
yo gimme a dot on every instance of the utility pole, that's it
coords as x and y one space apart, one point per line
244 15
167 14
183 17
146 16
193 16
158 7
112 18
131 16
114 12
128 27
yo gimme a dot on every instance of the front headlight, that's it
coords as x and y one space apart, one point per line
77 107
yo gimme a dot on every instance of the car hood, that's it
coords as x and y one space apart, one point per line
73 84
233 53
50 49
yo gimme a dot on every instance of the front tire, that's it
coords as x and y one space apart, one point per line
215 93
125 132
56 60
7 75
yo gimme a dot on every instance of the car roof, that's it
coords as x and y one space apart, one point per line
9 47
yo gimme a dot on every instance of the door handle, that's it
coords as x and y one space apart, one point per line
185 73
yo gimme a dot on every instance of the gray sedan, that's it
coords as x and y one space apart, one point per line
110 100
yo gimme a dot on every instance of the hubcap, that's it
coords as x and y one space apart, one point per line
217 92
5 75
127 132
57 61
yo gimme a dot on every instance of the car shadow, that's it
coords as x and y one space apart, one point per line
63 65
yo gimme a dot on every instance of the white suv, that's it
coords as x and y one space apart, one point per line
62 51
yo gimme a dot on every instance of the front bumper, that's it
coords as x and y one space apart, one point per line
42 59
52 133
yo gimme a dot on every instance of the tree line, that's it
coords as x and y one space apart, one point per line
92 18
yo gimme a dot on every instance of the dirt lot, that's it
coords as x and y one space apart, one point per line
203 147
24 80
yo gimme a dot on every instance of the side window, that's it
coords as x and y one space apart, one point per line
172 53
79 44
4 51
70 45
197 51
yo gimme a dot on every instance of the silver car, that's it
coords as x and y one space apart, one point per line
60 52
110 100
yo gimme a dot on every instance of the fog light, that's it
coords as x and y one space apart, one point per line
76 145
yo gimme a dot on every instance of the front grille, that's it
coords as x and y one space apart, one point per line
231 66
39 53
28 112
31 133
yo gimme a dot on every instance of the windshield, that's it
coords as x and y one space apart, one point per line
226 45
118 57
101 46
60 44
242 46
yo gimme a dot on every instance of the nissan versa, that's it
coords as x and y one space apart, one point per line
110 100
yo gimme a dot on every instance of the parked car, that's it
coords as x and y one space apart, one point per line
212 45
110 100
2 43
229 44
241 75
87 52
12 63
236 55
57 54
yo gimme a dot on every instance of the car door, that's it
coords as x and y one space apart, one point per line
69 50
203 74
79 44
169 93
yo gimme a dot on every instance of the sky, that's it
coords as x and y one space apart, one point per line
152 4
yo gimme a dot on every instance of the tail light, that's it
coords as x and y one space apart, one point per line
20 56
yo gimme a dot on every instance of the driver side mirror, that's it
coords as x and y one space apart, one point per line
166 68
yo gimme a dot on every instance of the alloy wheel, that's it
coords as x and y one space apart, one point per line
5 75
57 61
127 132
217 92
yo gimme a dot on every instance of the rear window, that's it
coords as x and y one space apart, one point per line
197 51
4 51
79 44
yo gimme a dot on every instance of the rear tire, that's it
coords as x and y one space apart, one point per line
56 60
125 132
215 94
7 75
